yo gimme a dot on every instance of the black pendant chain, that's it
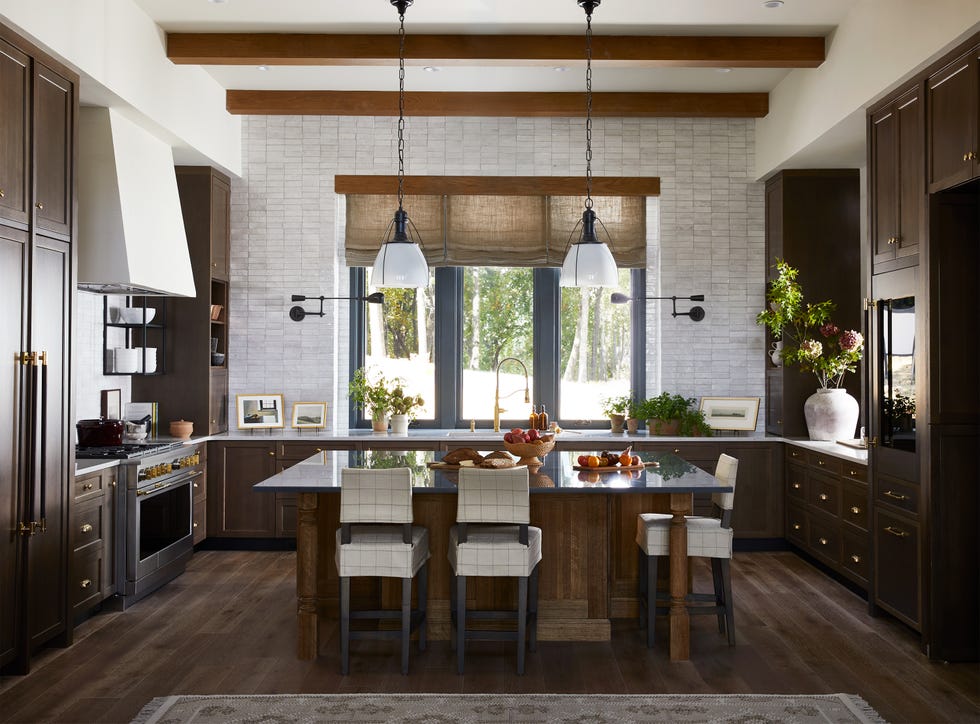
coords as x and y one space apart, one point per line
588 108
401 107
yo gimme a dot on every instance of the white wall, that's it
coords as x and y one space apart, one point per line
287 223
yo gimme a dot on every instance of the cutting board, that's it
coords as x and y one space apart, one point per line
613 468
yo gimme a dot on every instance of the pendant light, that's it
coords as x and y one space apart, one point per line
400 262
588 262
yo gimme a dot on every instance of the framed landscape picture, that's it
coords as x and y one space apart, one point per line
309 414
258 411
731 413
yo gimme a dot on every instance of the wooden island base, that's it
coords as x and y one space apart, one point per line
588 572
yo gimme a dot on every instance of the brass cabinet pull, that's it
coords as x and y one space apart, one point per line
40 206
966 157
88 486
195 524
853 472
113 483
87 528
318 450
855 509
795 454
823 496
780 422
1 193
896 532
823 541
796 526
855 557
796 486
819 462
969 156
894 496
677 451
85 583
272 453
214 422
196 485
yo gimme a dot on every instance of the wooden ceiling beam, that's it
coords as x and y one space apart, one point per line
520 50
385 103
498 185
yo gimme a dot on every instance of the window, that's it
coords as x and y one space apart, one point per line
577 346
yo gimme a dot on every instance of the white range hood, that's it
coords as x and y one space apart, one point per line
131 237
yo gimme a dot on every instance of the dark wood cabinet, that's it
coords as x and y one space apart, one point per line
812 216
15 89
192 388
235 510
897 151
954 136
37 270
92 529
827 512
898 566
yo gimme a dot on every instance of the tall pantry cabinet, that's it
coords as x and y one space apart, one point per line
37 282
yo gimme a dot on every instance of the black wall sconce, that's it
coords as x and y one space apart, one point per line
695 313
297 313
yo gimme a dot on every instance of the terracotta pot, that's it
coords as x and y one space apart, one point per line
181 429
379 423
616 422
632 425
657 426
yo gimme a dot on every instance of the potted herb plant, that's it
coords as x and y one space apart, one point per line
693 424
663 412
403 408
372 396
633 418
616 409
815 344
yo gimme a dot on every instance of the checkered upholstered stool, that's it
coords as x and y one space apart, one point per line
376 538
492 538
706 537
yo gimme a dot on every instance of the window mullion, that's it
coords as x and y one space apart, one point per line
448 340
547 305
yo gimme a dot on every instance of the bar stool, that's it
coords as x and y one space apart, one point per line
706 537
376 538
501 543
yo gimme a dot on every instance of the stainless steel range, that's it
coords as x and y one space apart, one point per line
154 537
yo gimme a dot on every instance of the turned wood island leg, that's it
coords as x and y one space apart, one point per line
307 547
680 624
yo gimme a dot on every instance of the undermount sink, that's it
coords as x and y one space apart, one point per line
474 433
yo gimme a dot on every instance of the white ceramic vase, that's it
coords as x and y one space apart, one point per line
399 424
776 353
831 414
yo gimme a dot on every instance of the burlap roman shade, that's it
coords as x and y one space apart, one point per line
494 230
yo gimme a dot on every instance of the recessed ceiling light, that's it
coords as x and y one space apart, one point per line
559 69
723 70
773 4
217 2
260 67
431 69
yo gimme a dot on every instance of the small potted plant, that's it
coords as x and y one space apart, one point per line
663 412
693 424
403 408
633 417
616 409
373 397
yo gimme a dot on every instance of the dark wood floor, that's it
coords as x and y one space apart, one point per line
227 626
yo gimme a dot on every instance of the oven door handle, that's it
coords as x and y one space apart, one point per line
162 487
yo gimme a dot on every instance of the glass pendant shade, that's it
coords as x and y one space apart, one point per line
400 262
589 264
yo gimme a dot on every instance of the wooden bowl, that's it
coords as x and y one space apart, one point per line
528 451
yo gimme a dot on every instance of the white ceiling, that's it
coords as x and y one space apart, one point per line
612 17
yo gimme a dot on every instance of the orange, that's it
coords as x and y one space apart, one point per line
593 461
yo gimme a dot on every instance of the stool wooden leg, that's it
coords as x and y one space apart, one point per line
453 617
460 622
726 577
406 621
641 584
521 622
344 625
719 592
651 592
533 608
423 599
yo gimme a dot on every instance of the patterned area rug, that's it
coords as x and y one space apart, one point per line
499 708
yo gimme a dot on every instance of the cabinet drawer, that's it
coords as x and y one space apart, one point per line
855 472
898 494
854 506
823 540
86 524
854 555
796 482
897 566
825 463
200 521
795 453
92 486
200 489
303 450
85 582
286 510
823 492
796 525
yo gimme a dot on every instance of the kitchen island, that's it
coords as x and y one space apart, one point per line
588 523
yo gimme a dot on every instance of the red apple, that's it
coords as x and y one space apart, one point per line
583 460
516 430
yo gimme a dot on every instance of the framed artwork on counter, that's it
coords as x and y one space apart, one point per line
731 413
309 414
259 411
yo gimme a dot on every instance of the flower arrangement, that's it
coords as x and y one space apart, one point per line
810 339
401 404
382 396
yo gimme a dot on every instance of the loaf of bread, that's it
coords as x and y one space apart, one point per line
499 455
498 460
455 457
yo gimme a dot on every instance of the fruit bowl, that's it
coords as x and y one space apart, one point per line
528 451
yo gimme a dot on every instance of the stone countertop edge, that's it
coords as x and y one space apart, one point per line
432 435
